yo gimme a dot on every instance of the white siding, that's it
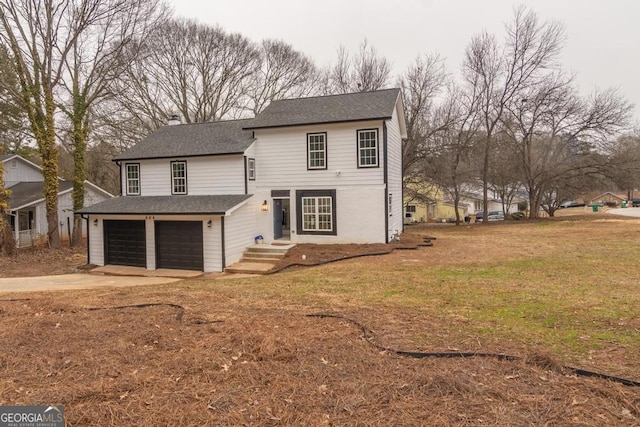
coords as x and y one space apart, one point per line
394 173
250 153
205 175
354 222
282 157
23 172
150 239
360 192
41 219
96 241
212 245
65 210
239 230
65 215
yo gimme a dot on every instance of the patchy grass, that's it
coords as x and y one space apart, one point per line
555 292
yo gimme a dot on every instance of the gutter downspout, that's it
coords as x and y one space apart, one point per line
120 180
224 255
86 218
386 183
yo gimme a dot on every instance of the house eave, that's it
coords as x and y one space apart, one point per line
317 123
126 159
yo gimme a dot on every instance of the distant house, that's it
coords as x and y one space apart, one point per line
28 214
424 203
609 198
323 169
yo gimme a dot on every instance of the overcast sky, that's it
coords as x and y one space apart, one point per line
602 46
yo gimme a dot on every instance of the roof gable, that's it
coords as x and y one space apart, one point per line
6 157
376 105
188 140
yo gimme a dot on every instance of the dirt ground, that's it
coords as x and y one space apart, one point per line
43 262
196 360
202 353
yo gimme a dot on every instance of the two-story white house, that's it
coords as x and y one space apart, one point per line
27 210
310 170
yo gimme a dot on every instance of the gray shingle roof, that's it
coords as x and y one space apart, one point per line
168 205
198 139
26 193
327 109
5 156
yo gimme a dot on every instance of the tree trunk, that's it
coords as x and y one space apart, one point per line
49 154
80 135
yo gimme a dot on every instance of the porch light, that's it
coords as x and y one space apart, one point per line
209 224
264 207
95 222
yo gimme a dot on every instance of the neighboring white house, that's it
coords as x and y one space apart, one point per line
28 214
472 198
310 170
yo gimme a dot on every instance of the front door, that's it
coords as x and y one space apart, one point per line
277 219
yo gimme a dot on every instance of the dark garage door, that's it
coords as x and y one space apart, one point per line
179 245
124 243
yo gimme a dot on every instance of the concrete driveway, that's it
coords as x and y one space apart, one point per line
76 281
634 212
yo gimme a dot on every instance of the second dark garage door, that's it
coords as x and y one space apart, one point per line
179 245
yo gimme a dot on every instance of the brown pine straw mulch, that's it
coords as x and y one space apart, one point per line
206 359
307 254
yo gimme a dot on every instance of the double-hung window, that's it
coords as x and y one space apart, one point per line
179 177
317 150
251 169
316 212
368 148
132 171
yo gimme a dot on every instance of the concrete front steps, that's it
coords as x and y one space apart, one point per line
258 259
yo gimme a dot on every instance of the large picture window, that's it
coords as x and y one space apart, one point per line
316 212
178 177
368 148
133 179
316 150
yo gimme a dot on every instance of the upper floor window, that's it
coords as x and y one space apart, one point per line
411 209
317 150
179 177
368 148
251 169
133 179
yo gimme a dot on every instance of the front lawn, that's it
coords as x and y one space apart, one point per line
554 293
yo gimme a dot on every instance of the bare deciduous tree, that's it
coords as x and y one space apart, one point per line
421 83
449 164
95 61
283 73
531 49
557 135
40 35
12 115
365 71
196 71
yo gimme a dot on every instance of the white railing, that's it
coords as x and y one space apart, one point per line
26 238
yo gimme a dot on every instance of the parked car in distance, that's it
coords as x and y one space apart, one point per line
635 203
492 216
572 204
